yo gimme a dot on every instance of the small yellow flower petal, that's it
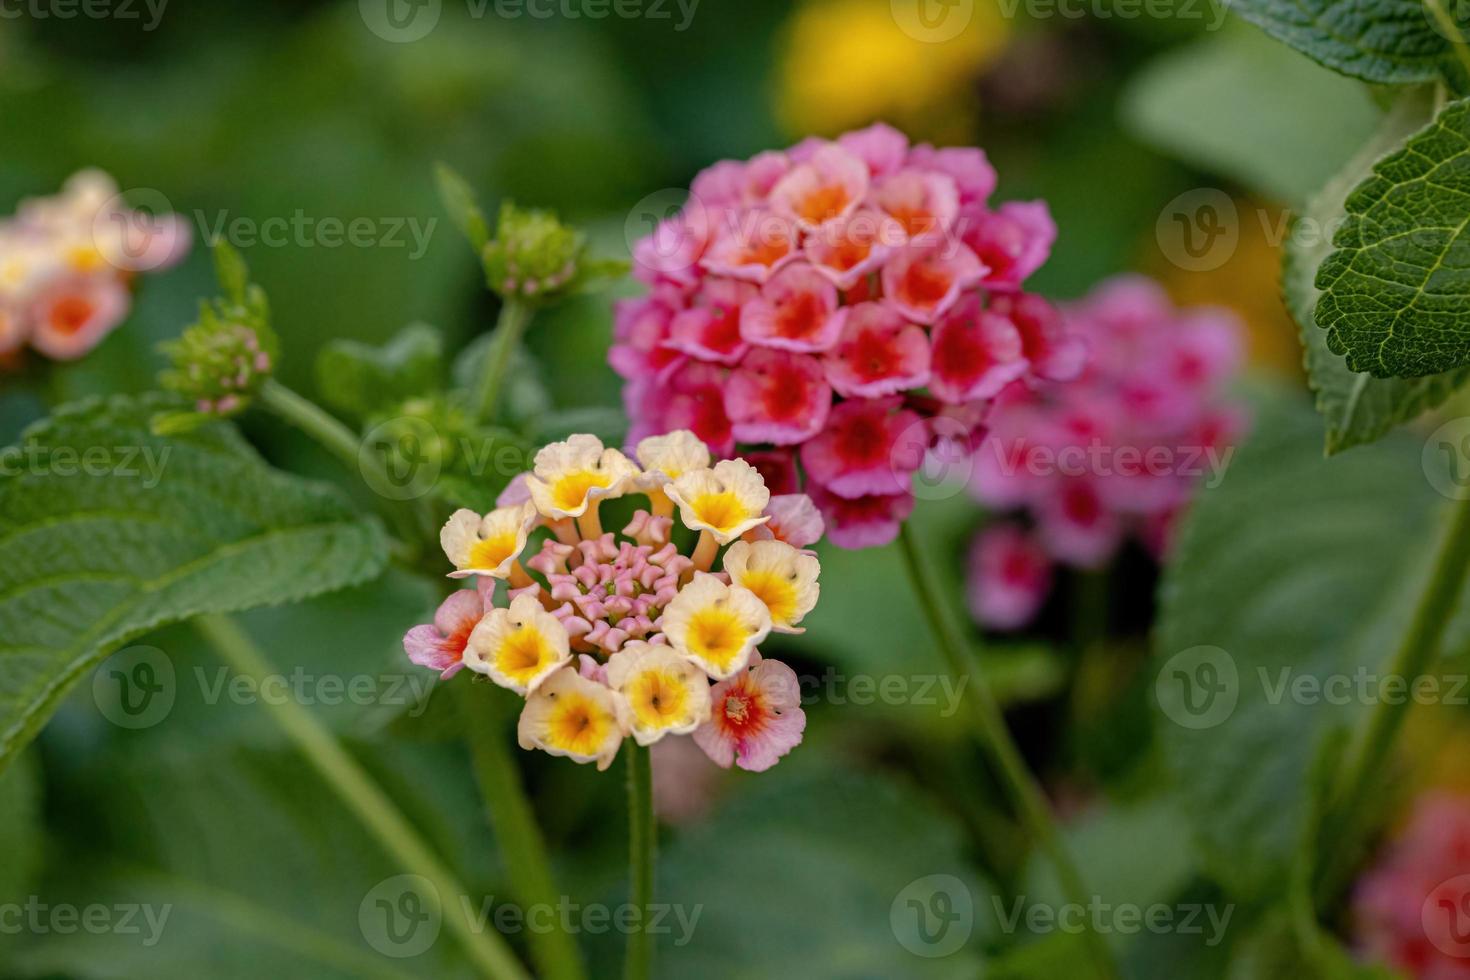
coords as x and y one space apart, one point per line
573 716
726 501
782 577
666 693
519 647
716 625
668 457
569 476
486 545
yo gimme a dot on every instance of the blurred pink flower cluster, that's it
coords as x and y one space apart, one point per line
1113 454
1412 909
67 261
823 305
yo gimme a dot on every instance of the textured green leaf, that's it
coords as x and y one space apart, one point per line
1393 42
1294 563
841 848
361 379
262 871
1396 292
464 211
1242 106
165 529
1357 407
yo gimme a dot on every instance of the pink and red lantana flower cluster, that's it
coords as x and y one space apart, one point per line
1114 453
822 306
67 261
1410 910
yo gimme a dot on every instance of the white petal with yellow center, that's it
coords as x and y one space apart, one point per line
574 716
486 545
519 647
716 625
726 501
569 476
665 692
670 456
782 577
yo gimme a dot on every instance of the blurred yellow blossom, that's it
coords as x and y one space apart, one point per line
850 62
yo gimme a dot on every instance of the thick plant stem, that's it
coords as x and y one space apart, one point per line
996 742
384 821
521 844
642 845
342 442
1415 655
514 315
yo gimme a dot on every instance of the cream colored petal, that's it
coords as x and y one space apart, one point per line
519 647
782 577
665 692
716 625
727 500
573 716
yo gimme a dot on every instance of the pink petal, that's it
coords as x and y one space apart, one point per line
857 453
922 281
796 311
1010 576
777 397
879 353
864 522
975 354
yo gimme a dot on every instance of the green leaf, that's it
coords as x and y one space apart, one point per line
779 847
1357 407
256 864
464 211
1396 292
1294 566
525 398
1244 107
230 269
360 379
154 531
1392 42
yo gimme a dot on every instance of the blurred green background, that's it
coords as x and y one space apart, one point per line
285 107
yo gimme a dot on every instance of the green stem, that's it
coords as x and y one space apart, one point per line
365 799
1451 32
514 315
996 742
642 843
1414 657
344 444
521 844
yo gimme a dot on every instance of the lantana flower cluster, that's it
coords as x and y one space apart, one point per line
1409 909
67 262
1113 454
615 635
822 306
